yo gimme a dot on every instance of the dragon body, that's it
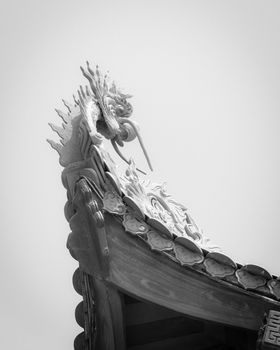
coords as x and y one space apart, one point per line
101 111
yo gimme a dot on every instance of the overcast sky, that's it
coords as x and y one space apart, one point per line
205 79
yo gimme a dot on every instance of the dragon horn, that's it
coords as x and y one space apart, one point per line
82 92
140 140
90 77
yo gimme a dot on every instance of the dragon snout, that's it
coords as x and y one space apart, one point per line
113 126
108 126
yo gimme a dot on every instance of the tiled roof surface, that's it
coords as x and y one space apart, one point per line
187 253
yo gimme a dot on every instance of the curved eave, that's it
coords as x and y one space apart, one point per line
152 276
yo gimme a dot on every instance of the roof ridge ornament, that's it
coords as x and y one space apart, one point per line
101 111
116 219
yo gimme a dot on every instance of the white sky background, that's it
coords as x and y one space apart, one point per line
205 79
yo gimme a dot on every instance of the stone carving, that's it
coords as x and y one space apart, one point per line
145 209
100 112
153 201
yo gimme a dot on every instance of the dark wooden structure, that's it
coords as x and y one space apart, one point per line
137 298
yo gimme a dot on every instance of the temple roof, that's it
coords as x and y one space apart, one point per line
129 233
145 209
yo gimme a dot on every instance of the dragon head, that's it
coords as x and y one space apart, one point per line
101 111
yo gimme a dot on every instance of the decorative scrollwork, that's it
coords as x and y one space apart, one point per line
85 311
272 330
91 204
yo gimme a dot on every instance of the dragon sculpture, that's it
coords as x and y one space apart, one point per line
102 204
101 112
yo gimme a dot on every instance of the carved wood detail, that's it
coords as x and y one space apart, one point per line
145 210
101 307
85 312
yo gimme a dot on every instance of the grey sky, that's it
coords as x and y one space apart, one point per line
205 79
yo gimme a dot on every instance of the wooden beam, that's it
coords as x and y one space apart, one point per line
151 276
139 313
110 330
